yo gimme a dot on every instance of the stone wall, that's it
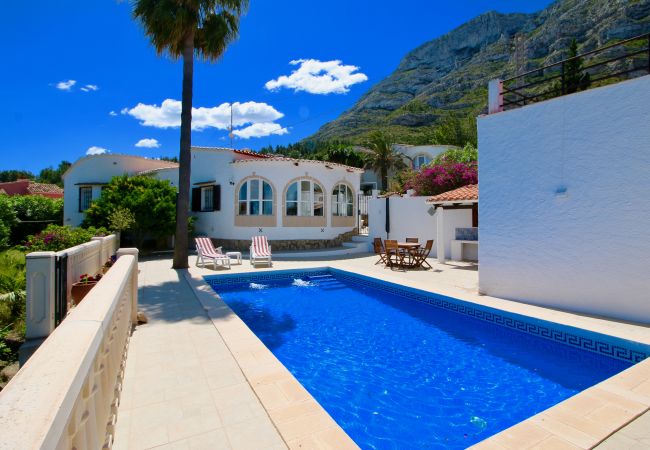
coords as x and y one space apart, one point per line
243 245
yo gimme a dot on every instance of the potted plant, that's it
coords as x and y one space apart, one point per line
83 286
108 264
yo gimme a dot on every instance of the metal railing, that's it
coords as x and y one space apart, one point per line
362 214
623 60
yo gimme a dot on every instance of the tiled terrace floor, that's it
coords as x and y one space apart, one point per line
197 378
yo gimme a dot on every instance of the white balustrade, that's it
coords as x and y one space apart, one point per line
66 395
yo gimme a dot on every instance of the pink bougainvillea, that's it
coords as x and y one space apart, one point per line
443 177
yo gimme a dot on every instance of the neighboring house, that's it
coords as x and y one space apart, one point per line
83 181
238 193
30 187
414 157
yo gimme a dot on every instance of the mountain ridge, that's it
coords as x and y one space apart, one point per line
449 74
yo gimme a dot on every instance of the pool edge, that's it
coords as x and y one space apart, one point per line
299 418
581 421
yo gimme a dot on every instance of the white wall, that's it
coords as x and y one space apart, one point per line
216 165
587 250
98 169
409 217
209 165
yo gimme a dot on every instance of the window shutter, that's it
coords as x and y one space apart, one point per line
216 197
80 199
196 199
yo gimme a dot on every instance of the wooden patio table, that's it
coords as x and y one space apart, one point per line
409 247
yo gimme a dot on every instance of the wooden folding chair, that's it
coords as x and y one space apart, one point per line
379 250
421 255
394 256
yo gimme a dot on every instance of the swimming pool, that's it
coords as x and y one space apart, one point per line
430 373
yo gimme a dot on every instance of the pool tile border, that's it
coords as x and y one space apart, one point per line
590 341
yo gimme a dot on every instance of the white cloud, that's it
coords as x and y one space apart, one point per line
90 87
148 143
259 130
112 113
168 115
96 150
65 85
319 77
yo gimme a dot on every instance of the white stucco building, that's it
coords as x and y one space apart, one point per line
564 201
414 156
237 194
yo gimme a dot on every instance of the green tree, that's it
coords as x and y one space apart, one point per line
34 213
54 176
575 79
13 175
382 157
182 29
150 201
458 131
467 154
7 220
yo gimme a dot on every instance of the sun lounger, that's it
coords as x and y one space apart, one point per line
260 251
205 251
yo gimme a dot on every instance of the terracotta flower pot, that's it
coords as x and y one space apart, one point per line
79 290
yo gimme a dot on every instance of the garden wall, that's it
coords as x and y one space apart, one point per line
564 212
412 217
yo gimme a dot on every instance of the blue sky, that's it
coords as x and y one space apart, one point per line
45 118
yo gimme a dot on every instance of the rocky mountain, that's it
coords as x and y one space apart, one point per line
450 73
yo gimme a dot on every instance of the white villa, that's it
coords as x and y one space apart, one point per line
238 193
414 156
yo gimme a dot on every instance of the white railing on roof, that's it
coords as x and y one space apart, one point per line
66 396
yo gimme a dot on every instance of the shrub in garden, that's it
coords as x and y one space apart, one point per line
444 177
7 220
467 154
34 213
56 237
151 203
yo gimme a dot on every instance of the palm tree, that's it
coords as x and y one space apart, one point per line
183 28
382 157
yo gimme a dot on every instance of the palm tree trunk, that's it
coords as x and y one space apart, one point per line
384 178
185 159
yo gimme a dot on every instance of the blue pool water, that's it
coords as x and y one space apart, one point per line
397 373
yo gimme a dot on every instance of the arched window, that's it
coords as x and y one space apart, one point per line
420 161
305 198
342 201
255 198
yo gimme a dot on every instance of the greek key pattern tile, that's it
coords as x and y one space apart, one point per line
592 342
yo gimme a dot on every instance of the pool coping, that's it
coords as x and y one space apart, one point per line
299 419
582 421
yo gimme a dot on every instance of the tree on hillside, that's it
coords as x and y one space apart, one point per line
13 175
148 203
382 157
458 131
575 79
182 29
54 176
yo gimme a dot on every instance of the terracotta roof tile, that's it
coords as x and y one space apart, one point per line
44 188
461 194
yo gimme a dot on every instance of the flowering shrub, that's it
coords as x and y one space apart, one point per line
55 238
444 177
87 279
